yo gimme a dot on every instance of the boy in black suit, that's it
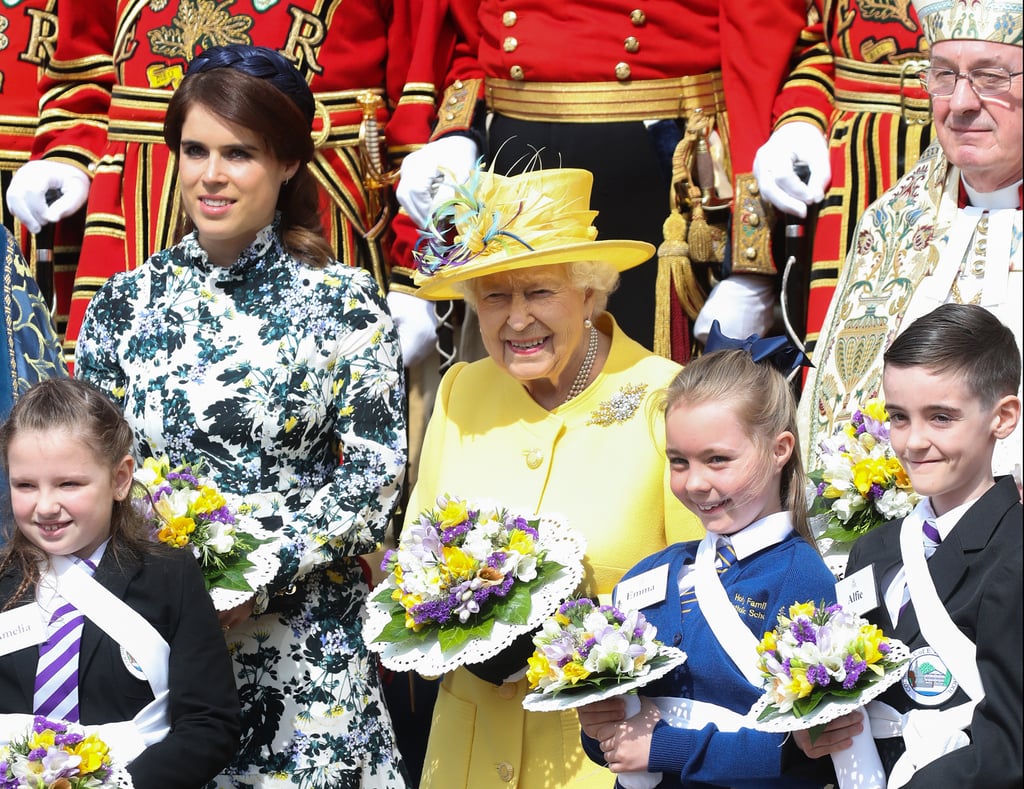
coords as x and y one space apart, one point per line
951 382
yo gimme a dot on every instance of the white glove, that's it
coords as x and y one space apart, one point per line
743 305
794 142
26 196
430 174
416 322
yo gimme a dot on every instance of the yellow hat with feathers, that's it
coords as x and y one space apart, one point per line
496 223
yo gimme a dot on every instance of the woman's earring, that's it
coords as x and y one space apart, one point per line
587 324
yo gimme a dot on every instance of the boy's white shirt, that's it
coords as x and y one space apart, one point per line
944 525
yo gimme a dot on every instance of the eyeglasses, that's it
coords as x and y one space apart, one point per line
984 81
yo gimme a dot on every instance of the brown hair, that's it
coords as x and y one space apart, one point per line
254 103
89 416
763 401
964 339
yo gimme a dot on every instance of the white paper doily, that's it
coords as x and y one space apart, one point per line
538 701
264 558
833 709
564 545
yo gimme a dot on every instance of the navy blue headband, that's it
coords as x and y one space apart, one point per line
263 63
779 352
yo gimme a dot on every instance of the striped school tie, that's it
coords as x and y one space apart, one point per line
56 686
725 555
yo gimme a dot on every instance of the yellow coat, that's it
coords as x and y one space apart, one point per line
598 460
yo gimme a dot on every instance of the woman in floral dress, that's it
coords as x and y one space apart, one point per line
246 346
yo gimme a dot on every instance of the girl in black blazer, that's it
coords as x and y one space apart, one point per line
66 448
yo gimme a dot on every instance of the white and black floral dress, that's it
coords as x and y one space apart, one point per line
268 371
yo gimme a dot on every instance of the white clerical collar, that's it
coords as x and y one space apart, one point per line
769 530
1007 197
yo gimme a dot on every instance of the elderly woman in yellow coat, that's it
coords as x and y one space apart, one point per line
558 418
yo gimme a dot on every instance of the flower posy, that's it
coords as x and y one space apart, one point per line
861 483
585 645
819 654
185 510
458 569
57 755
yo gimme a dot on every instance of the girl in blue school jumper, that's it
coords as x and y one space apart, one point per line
731 444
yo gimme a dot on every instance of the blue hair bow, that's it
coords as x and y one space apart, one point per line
779 352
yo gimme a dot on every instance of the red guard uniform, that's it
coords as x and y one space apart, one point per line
857 80
117 63
578 80
28 36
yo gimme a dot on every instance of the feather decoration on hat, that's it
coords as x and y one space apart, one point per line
491 214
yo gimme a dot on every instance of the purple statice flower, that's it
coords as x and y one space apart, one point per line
884 647
803 631
857 420
496 559
182 476
223 515
818 675
564 660
787 667
389 556
36 754
439 611
835 608
587 645
616 616
448 536
41 724
854 668
875 491
820 489
67 738
523 525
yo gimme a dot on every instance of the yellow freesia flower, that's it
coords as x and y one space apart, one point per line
94 753
768 643
522 542
801 609
798 686
538 668
210 500
459 564
574 672
453 514
42 739
875 408
867 473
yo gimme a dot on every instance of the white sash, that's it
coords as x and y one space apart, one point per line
723 619
127 739
929 734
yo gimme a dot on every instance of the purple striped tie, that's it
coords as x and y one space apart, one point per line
56 687
931 538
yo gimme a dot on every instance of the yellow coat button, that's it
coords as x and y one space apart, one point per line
505 771
509 18
622 71
637 17
509 44
534 457
632 45
516 72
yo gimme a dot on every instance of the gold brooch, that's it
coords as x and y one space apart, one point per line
620 407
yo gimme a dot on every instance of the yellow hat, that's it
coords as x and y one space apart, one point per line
982 20
501 223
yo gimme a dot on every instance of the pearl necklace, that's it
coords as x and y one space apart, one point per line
580 382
